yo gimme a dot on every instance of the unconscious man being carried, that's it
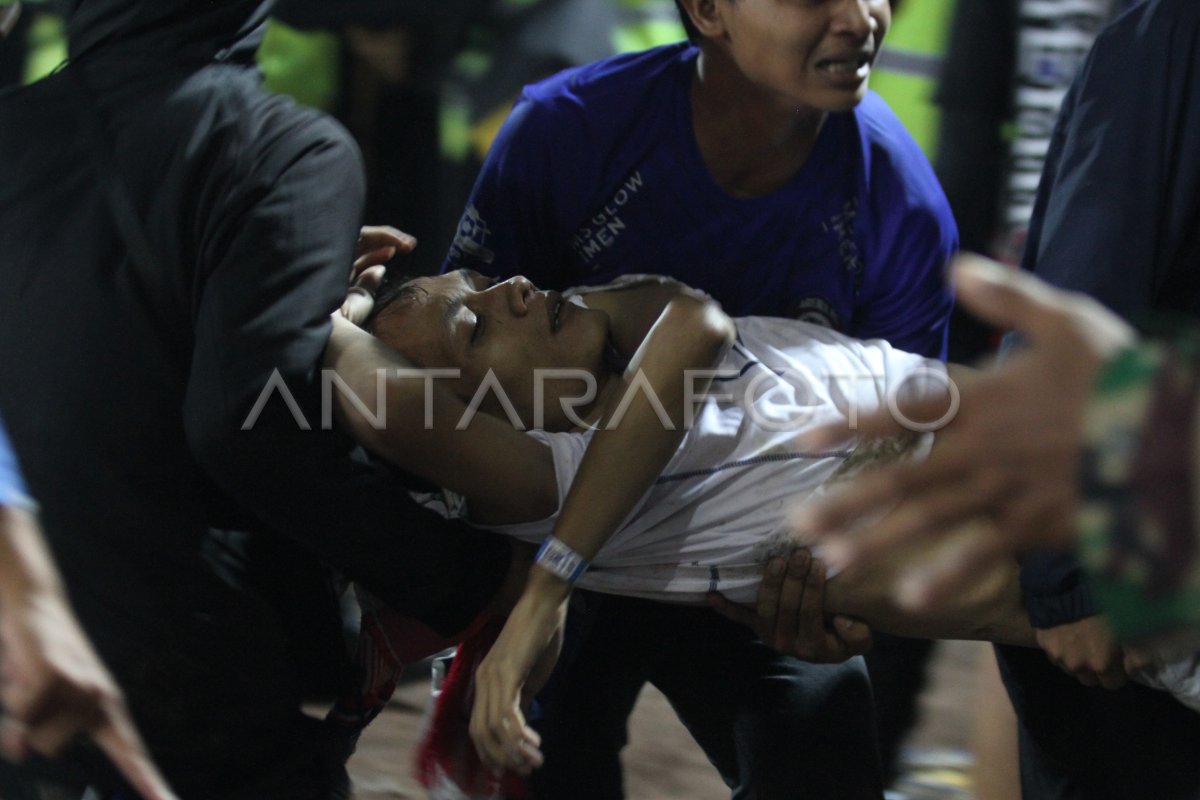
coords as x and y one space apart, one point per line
523 388
664 460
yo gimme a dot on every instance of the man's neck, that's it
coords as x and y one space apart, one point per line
752 141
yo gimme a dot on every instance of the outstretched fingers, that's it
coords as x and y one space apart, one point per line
1006 297
379 244
883 510
118 739
957 567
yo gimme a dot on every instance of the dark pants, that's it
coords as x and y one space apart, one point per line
1089 743
24 783
774 727
897 667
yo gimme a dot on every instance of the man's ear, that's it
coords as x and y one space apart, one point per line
706 17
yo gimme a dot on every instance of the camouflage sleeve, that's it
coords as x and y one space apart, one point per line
1139 538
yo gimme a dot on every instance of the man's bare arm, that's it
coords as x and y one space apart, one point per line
801 613
493 465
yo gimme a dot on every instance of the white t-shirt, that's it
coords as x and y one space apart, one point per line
720 507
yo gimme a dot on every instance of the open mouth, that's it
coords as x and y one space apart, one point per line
556 310
847 65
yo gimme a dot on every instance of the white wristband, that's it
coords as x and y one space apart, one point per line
560 560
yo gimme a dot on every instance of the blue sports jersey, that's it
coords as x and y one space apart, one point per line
12 487
596 173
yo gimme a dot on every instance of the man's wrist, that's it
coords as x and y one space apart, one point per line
548 589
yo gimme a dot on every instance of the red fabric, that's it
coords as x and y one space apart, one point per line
446 750
410 640
387 642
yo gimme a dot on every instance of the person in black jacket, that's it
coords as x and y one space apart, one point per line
1116 217
174 239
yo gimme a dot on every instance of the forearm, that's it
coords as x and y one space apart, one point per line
635 442
414 421
642 429
382 408
26 568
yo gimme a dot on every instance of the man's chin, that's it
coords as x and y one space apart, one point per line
841 102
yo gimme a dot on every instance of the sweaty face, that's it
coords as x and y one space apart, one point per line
812 54
464 320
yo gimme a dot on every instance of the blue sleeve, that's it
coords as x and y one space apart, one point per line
12 487
530 194
913 312
1116 214
906 299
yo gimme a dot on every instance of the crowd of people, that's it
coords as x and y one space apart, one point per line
224 409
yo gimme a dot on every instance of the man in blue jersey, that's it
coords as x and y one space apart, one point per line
752 163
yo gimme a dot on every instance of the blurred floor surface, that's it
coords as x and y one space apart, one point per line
662 762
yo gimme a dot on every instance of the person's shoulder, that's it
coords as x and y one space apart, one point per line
883 132
259 131
615 85
294 128
268 116
37 116
1151 27
897 171
1154 12
631 280
590 114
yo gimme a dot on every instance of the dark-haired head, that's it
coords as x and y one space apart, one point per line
397 287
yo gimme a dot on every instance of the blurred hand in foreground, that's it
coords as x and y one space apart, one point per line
1008 456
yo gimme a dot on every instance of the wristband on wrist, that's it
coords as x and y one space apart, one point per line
560 560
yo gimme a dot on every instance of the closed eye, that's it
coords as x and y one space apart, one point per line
478 328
